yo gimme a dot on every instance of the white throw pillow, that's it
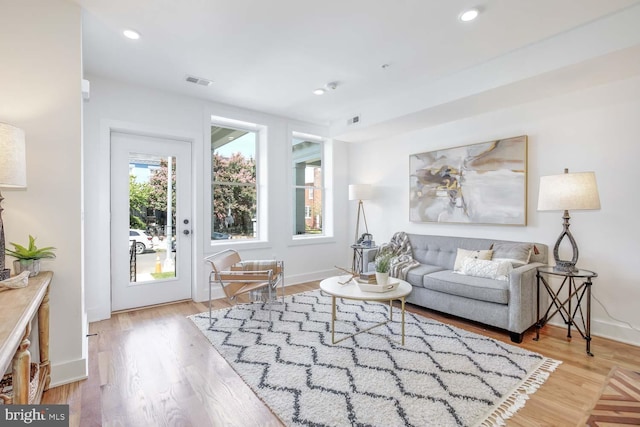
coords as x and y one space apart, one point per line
464 254
498 270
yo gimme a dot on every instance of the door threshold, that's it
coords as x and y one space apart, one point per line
144 307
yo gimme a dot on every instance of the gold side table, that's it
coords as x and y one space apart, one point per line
578 290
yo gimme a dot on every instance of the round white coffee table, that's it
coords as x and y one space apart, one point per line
349 290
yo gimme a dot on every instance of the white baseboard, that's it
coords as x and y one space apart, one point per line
615 331
605 329
95 314
69 372
310 277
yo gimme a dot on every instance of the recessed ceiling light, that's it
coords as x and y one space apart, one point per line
319 91
131 34
469 15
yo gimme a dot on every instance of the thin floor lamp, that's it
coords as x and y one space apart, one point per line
360 192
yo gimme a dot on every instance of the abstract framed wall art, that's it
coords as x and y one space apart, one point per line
484 183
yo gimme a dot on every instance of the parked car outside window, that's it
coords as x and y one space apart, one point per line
142 240
219 236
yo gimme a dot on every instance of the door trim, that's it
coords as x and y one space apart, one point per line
98 255
126 294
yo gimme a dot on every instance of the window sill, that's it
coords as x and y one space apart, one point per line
311 240
218 245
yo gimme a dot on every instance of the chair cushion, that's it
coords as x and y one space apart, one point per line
259 265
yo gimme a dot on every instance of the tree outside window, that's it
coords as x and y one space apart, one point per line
148 194
233 183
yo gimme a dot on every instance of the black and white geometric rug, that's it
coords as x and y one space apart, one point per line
442 376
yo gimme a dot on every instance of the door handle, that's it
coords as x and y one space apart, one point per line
186 232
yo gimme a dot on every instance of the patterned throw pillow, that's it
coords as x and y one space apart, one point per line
517 254
464 254
497 270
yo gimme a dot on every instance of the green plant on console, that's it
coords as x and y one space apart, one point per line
383 263
28 258
31 252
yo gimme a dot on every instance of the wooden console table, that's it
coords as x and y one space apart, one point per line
18 307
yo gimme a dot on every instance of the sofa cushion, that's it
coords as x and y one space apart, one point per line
516 253
464 254
479 288
415 276
441 250
498 270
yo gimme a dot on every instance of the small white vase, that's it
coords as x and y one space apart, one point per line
382 278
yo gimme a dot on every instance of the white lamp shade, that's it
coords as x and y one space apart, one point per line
360 192
568 191
13 164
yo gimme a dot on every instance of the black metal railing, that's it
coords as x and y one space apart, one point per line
132 261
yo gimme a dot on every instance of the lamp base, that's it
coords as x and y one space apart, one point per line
562 265
565 266
5 274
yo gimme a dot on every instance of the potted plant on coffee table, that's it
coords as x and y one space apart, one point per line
383 265
28 258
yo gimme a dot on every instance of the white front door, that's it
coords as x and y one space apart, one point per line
153 264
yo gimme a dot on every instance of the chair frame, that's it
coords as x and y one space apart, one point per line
227 272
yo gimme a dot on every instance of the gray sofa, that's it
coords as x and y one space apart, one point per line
509 305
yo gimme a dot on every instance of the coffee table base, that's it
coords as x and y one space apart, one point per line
334 318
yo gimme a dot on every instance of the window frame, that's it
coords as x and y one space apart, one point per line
261 226
326 158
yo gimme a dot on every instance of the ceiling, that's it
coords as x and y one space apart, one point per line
270 55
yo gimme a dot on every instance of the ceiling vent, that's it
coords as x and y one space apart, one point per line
198 81
353 120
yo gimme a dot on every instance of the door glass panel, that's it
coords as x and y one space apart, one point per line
152 216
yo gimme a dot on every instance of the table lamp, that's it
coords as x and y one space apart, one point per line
360 192
13 174
565 192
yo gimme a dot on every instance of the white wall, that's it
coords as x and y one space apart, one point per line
595 129
592 130
40 92
132 107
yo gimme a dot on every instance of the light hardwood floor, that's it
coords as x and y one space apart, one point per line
152 367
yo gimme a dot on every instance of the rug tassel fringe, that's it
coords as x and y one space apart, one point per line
517 399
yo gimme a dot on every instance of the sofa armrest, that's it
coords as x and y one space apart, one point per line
522 297
368 256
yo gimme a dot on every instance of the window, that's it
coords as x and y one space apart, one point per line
234 186
308 185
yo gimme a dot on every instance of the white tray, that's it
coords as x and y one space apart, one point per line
367 287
